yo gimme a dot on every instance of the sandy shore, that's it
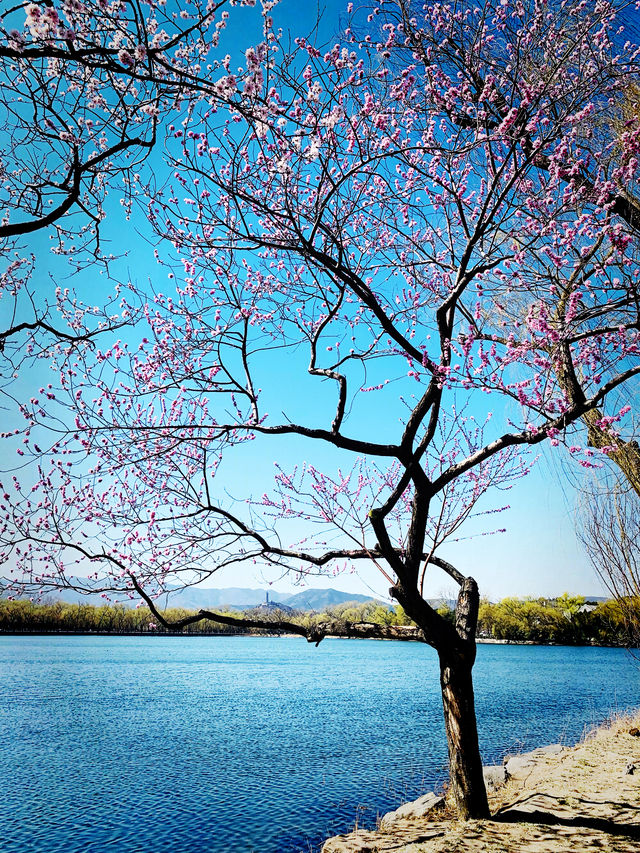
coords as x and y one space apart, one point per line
581 799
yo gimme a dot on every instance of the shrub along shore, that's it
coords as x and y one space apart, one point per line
567 620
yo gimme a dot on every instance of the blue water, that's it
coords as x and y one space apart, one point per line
237 744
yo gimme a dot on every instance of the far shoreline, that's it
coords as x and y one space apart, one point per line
480 641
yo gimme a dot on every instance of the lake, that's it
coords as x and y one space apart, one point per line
239 744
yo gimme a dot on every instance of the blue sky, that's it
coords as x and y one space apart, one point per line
539 553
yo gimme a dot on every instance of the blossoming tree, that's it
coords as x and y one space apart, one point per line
616 129
423 220
83 87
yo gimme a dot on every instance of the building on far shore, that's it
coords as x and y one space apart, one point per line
273 605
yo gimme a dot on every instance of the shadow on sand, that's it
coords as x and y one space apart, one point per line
547 810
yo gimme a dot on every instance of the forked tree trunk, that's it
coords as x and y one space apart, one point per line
456 647
466 780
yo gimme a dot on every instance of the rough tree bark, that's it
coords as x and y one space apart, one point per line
626 454
466 779
456 647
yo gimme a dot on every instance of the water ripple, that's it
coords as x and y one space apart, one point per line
233 745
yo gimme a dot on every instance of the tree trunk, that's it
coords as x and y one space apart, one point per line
456 647
466 780
626 455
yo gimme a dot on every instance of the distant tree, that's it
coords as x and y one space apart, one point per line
608 623
401 617
616 622
420 219
533 620
446 613
610 533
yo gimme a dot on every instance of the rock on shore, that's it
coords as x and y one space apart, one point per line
416 809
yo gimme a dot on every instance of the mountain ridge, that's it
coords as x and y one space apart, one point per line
234 598
244 598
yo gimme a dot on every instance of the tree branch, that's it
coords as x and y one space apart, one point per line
313 634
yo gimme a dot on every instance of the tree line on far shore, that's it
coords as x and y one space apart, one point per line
567 620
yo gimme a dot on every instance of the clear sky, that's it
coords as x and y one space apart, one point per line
538 555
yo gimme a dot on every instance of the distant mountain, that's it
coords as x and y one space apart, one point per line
239 598
235 598
319 599
71 596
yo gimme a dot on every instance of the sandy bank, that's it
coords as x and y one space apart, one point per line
581 799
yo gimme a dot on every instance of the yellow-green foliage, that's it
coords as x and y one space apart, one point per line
367 611
23 615
560 620
540 620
